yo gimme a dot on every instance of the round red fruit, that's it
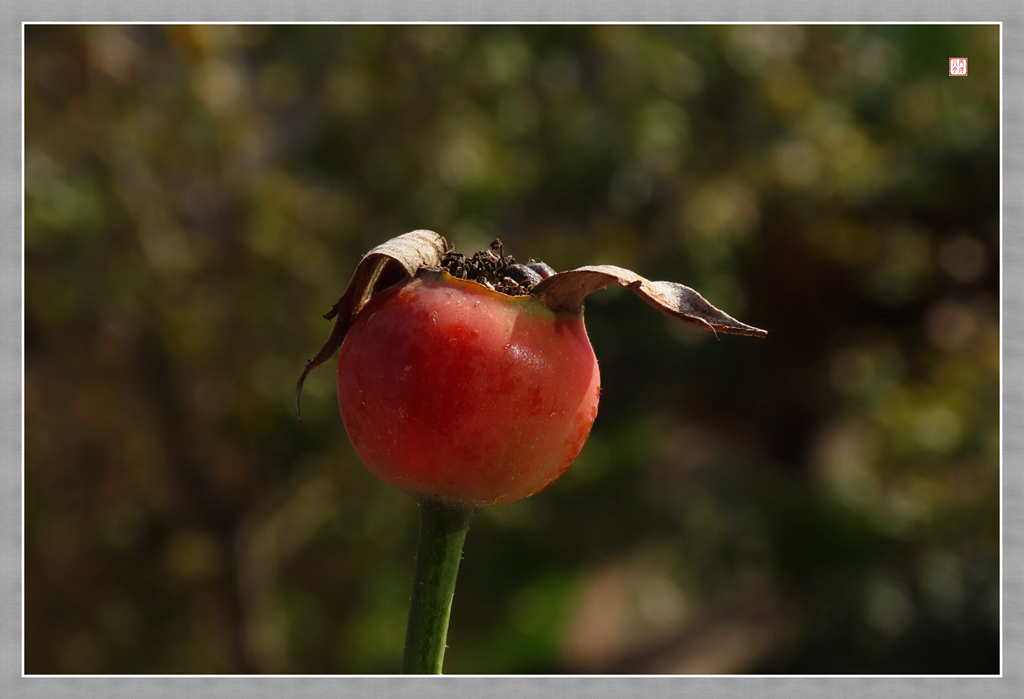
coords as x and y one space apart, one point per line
451 391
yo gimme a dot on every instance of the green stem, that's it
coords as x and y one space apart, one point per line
442 533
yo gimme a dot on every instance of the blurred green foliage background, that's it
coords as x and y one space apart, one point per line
822 501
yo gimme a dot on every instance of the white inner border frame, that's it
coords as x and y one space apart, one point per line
13 683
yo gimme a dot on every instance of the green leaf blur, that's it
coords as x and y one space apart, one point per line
822 501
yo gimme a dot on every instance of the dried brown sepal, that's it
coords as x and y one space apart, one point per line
388 263
565 291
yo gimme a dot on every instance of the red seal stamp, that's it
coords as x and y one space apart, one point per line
958 66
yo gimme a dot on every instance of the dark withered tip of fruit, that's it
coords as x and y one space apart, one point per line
493 269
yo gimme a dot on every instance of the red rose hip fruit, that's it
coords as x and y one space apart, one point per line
453 392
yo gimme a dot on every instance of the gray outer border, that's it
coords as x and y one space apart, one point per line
1009 12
